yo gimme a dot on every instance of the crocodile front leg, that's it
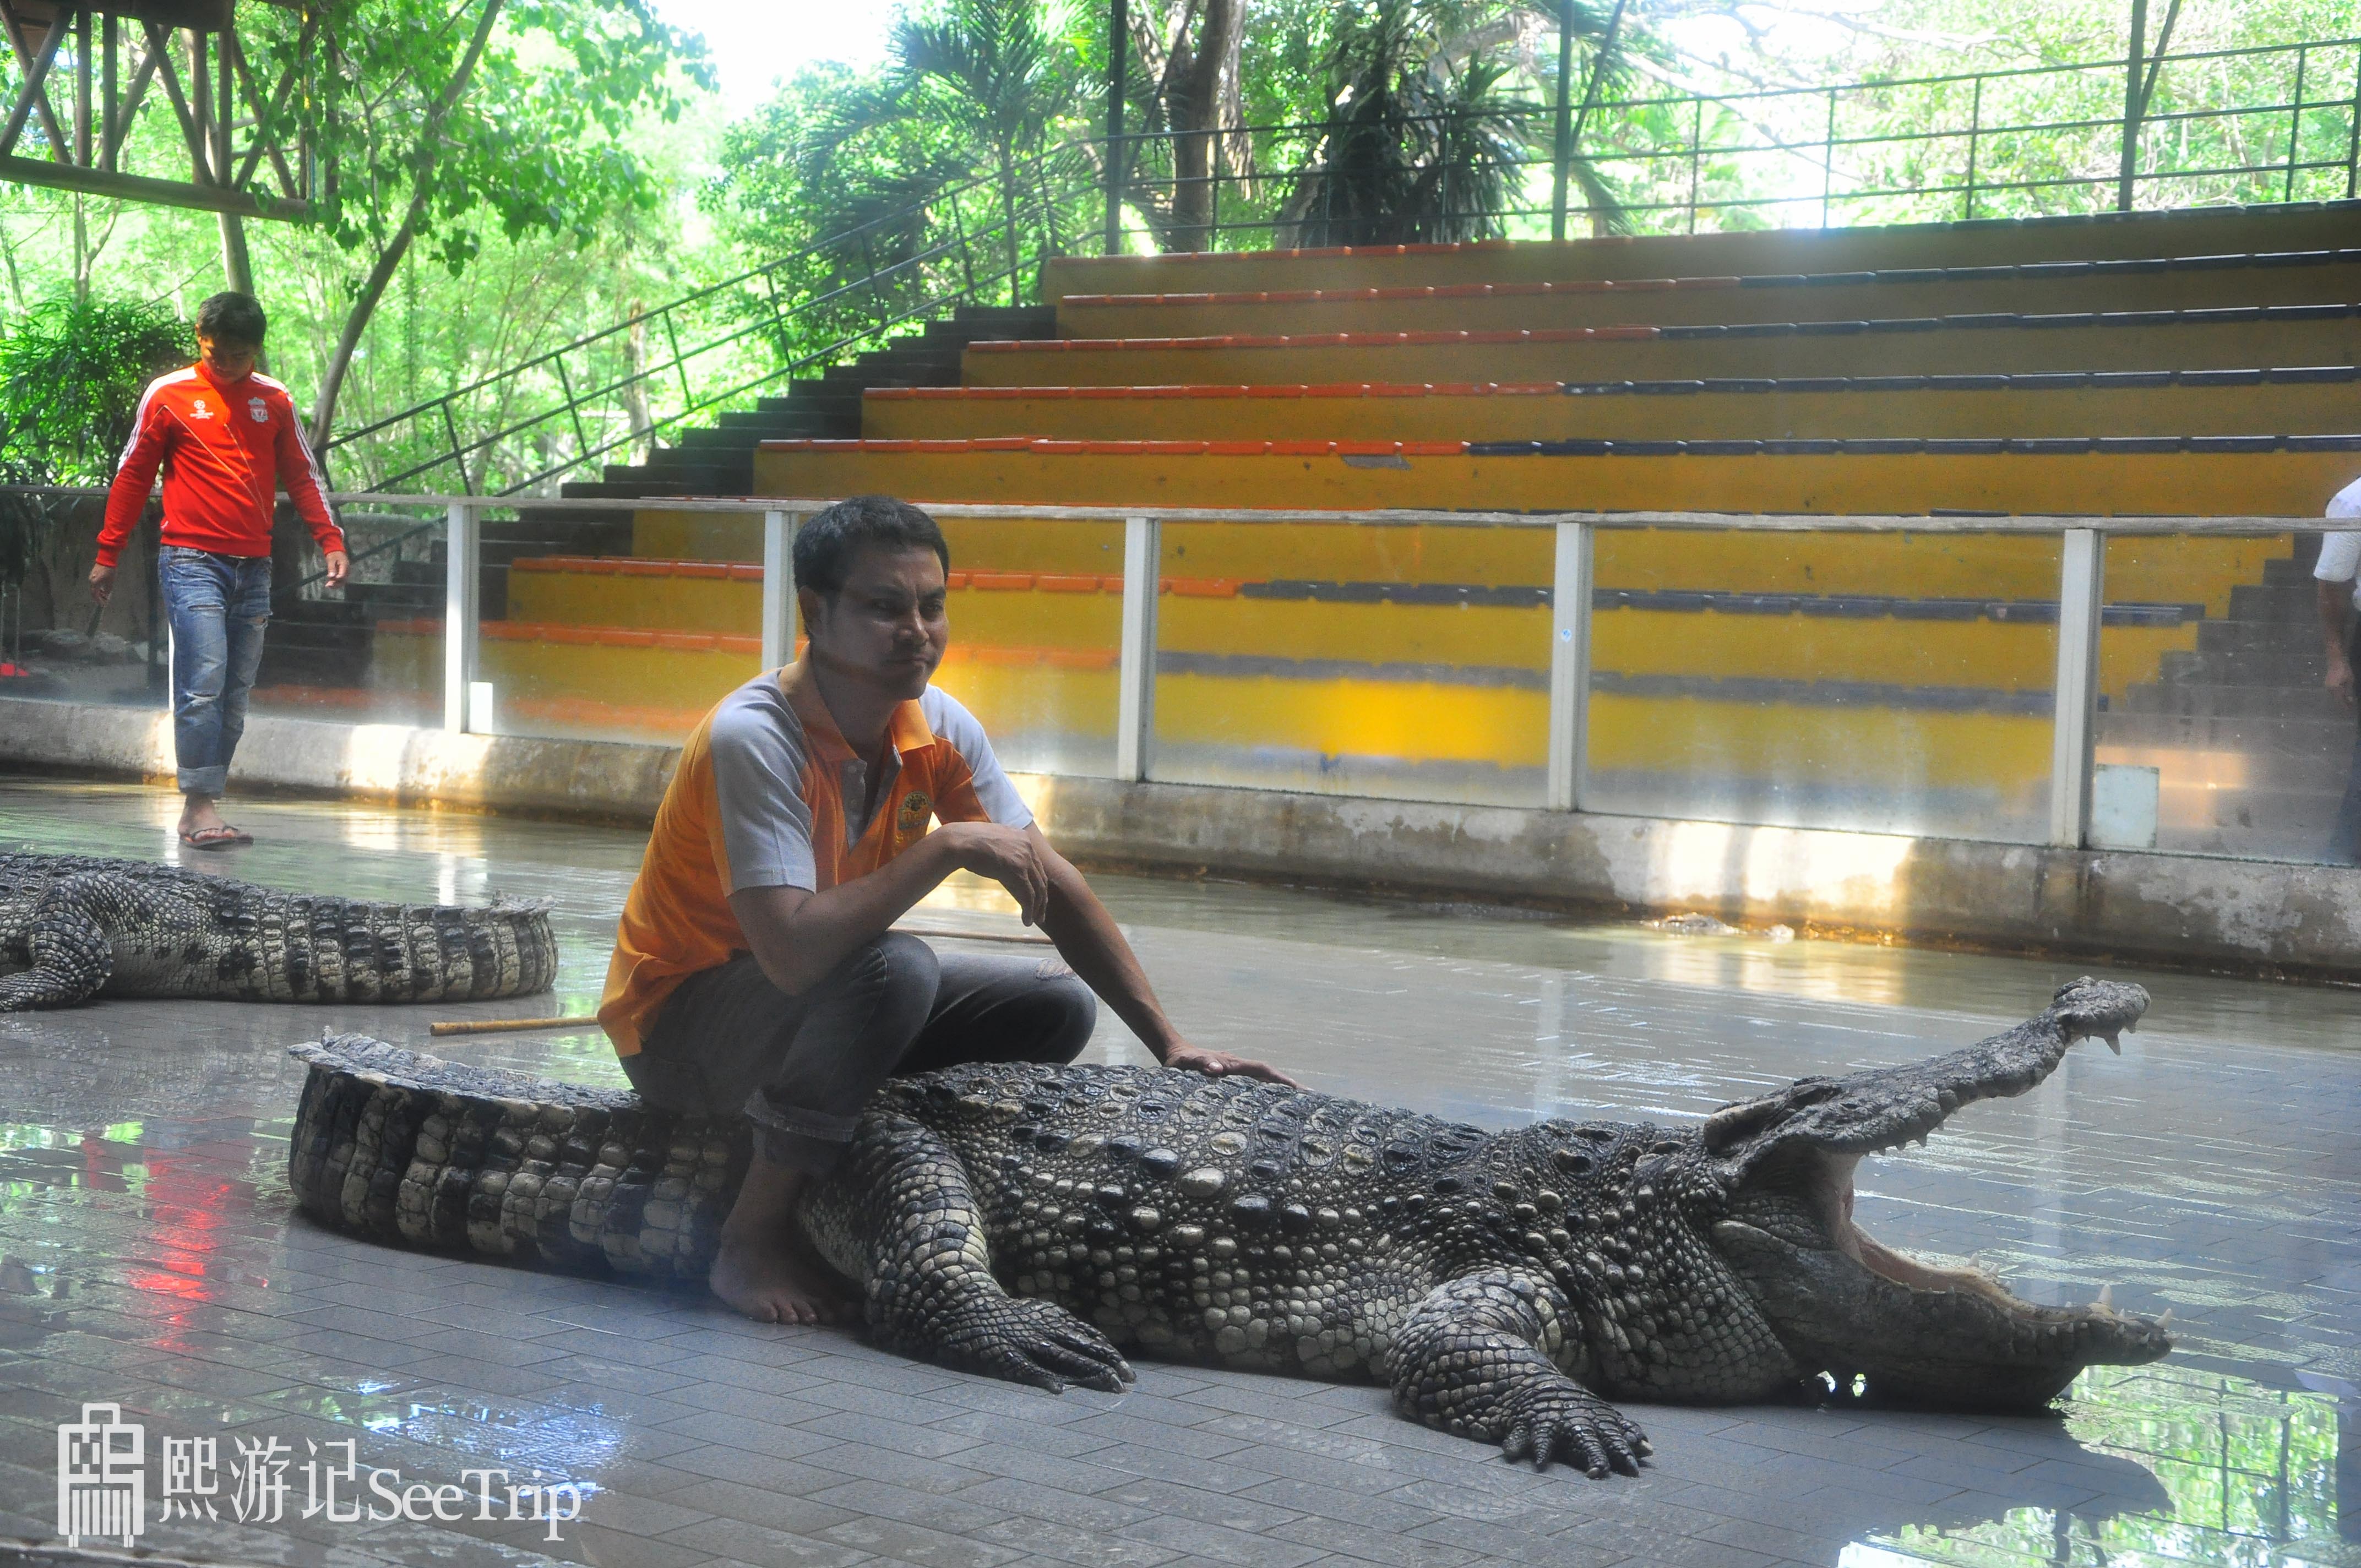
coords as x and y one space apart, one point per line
1474 1360
900 1217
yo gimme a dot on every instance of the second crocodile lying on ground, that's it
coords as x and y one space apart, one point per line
1024 1221
73 928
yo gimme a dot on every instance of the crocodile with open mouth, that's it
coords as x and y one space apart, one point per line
1031 1222
77 927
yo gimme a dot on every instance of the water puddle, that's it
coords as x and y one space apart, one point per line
2244 1475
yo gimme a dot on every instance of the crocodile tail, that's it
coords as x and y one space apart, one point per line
342 949
411 1150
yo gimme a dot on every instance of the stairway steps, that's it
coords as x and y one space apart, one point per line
2297 747
2255 701
2278 602
2290 637
2291 667
2298 571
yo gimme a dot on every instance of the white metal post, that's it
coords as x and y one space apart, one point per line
2081 584
778 588
1135 732
460 578
1569 666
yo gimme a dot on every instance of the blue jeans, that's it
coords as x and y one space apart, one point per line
218 606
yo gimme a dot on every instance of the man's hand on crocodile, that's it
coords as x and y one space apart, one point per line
1222 1064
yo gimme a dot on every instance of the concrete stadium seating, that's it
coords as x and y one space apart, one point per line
2189 282
2157 363
1997 242
2231 337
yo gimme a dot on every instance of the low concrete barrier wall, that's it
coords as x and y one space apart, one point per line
592 779
2182 910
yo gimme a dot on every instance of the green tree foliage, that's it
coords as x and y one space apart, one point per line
72 369
988 80
1422 142
878 196
71 374
436 124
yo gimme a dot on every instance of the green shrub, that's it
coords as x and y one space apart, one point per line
70 375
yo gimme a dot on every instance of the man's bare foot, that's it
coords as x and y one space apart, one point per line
776 1283
199 815
202 827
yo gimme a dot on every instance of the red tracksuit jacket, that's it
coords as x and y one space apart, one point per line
224 450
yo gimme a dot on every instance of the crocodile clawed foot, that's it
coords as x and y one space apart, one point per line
1572 1427
1039 1343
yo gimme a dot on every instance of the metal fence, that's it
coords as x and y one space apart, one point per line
607 395
2270 124
2265 125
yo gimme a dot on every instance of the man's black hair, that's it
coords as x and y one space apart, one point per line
233 317
827 543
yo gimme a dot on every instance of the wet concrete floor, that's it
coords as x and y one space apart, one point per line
149 1260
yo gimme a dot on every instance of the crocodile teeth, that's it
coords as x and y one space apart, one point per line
2106 1297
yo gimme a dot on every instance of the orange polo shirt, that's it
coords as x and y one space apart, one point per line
768 795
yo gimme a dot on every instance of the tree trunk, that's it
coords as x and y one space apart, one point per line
238 267
1195 108
1008 217
635 392
365 303
237 263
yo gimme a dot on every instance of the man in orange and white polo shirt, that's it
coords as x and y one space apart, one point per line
755 966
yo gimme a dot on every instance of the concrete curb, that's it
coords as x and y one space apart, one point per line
593 779
2174 909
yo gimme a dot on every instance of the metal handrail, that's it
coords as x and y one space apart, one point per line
980 278
1072 174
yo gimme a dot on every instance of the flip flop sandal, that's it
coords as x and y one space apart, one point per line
222 837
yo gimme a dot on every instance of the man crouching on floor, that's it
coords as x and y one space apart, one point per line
754 964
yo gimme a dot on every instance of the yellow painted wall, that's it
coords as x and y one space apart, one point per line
2006 753
685 604
2153 570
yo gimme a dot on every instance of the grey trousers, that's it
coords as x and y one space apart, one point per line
803 1067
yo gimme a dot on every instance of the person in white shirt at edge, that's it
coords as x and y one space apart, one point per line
2340 600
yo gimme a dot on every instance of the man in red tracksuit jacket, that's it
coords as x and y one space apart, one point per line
226 439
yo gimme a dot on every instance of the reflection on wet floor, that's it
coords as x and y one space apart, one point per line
147 1257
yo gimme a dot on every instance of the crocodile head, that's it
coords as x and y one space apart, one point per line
1770 1184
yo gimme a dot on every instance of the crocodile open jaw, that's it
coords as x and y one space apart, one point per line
1853 1308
